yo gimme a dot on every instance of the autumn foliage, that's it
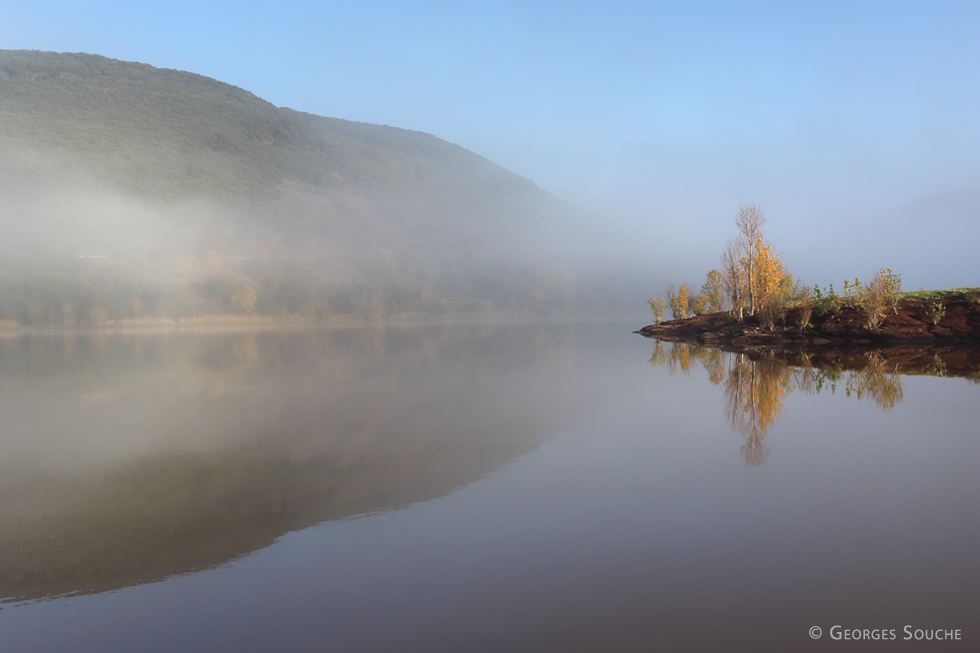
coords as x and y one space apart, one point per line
754 277
753 283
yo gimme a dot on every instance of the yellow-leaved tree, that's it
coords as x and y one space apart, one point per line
714 291
658 305
683 299
771 283
754 278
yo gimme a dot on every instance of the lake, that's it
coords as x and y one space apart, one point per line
539 486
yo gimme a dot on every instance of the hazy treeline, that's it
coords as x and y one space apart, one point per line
129 192
87 257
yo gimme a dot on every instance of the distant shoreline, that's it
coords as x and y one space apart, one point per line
9 327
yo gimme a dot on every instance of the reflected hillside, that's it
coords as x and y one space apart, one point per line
757 381
130 458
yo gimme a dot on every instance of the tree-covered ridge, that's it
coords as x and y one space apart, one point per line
167 132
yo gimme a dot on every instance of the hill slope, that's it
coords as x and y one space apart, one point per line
171 133
131 191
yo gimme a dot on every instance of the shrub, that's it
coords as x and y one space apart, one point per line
826 302
804 299
876 298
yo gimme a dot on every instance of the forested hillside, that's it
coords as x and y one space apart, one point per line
131 192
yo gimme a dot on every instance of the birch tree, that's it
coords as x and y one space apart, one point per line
752 271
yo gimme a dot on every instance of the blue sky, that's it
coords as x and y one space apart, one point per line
659 116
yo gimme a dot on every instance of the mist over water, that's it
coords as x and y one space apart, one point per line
306 251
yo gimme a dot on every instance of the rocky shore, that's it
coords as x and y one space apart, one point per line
950 320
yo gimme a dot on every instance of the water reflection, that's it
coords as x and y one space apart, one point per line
128 458
754 392
757 381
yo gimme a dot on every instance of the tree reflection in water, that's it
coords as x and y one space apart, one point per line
757 383
879 381
754 392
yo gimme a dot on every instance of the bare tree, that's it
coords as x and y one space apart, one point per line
749 221
671 296
731 269
741 257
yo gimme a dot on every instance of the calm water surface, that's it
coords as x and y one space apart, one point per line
535 486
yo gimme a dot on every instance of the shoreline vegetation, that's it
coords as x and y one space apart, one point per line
950 316
753 301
